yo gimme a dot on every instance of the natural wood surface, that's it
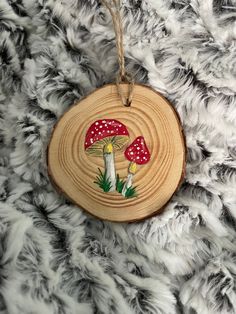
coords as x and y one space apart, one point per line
73 170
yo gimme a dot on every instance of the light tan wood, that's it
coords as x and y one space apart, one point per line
73 171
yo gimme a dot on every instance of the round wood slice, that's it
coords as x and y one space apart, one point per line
74 170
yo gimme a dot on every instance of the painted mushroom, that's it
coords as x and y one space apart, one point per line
103 138
137 153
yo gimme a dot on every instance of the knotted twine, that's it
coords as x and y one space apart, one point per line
113 7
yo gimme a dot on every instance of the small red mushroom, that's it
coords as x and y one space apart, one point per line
102 139
137 153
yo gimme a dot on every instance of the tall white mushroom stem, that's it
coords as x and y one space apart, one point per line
110 165
131 172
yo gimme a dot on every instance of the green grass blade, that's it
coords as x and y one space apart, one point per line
102 181
131 192
119 184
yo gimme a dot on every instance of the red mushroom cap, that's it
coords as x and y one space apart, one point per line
138 151
102 129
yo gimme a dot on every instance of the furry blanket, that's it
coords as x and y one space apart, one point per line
54 258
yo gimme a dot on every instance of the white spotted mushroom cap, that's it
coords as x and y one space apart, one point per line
138 152
103 131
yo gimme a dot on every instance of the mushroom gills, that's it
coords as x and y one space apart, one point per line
110 171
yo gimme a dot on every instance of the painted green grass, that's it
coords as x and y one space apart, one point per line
119 184
102 181
105 184
131 192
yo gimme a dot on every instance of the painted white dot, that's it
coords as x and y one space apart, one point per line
96 123
92 132
99 132
138 148
131 153
103 121
119 125
91 140
108 131
100 126
105 125
138 157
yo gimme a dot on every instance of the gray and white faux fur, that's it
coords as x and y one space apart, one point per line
54 258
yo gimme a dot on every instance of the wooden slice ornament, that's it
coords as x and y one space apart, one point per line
119 153
118 163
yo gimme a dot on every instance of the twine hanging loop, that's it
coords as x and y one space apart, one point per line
113 7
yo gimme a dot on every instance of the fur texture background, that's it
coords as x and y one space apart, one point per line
54 258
